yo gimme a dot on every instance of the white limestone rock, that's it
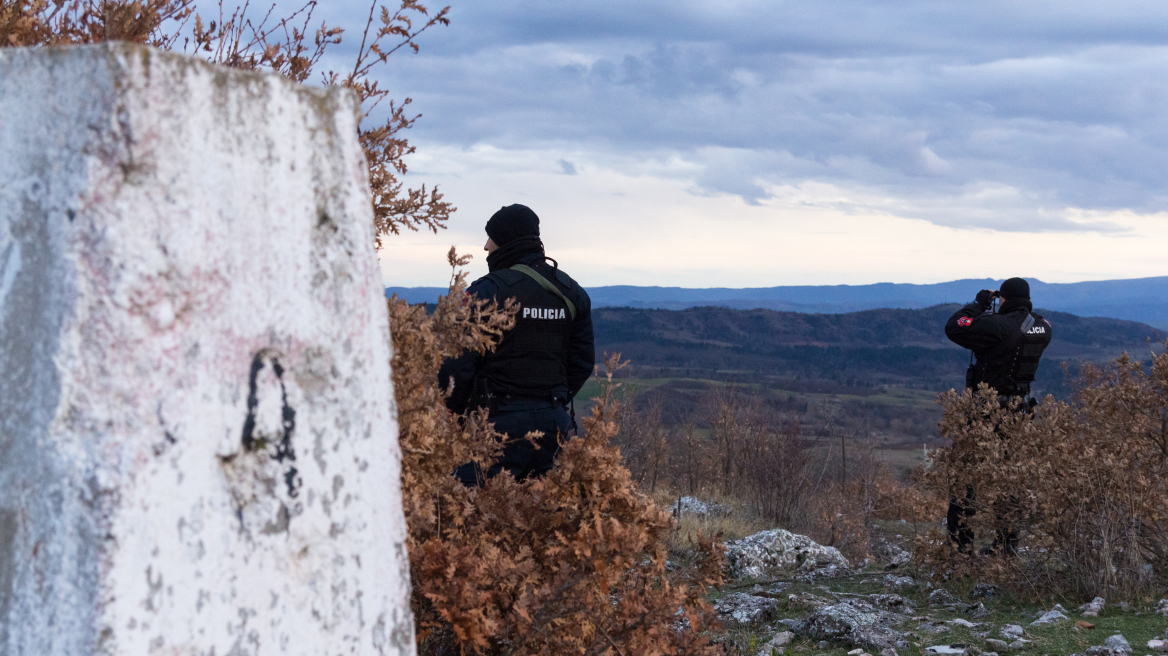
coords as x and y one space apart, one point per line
1011 632
775 645
996 645
1104 650
777 549
854 622
947 650
806 601
1093 607
1118 643
892 602
898 558
198 445
942 597
1049 617
977 611
934 627
985 590
693 506
899 583
739 608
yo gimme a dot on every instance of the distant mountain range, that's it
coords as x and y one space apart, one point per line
1140 299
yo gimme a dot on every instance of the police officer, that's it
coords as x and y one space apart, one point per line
1007 345
529 380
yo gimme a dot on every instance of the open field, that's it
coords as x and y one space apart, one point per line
896 422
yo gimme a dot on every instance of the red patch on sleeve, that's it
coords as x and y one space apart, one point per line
965 321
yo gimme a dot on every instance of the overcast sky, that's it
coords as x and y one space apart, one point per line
753 144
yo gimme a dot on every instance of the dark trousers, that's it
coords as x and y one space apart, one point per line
520 456
962 508
960 535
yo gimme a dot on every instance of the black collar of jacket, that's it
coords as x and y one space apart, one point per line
515 251
1013 305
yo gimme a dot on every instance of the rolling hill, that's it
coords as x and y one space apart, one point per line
871 375
860 349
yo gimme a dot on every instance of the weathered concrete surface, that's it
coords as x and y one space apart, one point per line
198 446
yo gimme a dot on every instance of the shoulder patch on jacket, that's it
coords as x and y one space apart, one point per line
965 322
564 278
507 276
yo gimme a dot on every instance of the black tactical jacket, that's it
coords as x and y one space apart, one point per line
1007 356
546 357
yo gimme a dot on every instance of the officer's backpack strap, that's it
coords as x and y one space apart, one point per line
546 284
1028 322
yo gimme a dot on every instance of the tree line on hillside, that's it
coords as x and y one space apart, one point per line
861 349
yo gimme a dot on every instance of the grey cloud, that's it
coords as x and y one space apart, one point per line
922 100
990 208
850 28
566 167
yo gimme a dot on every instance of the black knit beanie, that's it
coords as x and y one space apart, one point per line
511 223
1015 288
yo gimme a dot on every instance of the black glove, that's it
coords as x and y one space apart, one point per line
985 297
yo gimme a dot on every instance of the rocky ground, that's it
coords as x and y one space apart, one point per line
785 594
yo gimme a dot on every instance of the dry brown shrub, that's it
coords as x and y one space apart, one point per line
905 500
433 441
843 513
67 22
572 563
838 520
1083 481
843 516
287 45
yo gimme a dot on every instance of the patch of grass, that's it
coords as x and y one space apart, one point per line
1138 626
636 386
740 523
899 396
1066 638
903 461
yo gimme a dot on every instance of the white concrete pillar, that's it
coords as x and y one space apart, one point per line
198 444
